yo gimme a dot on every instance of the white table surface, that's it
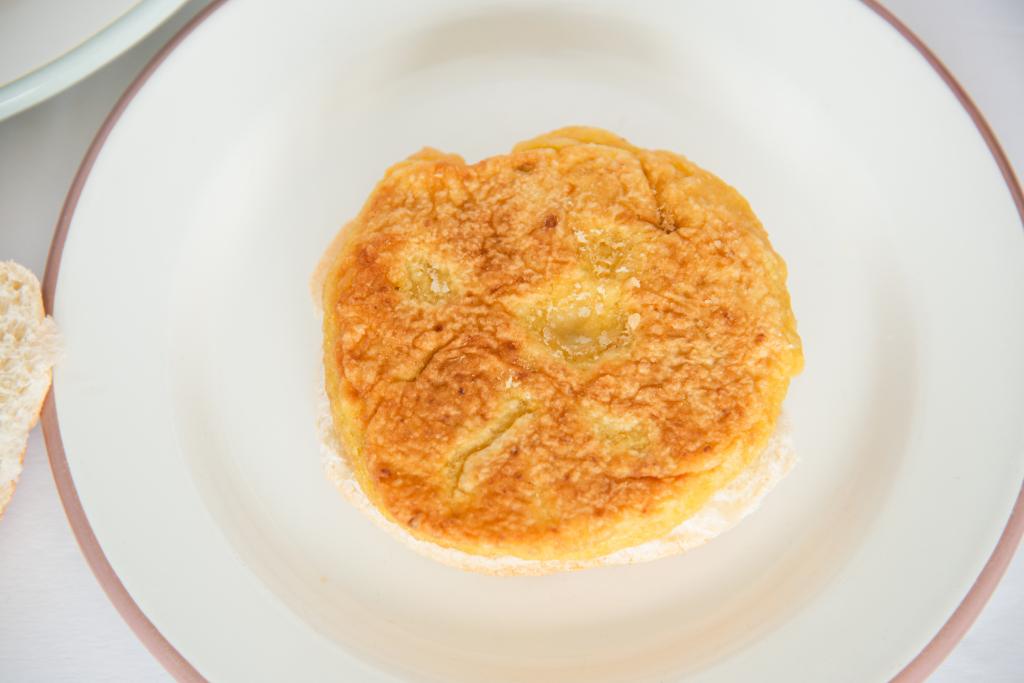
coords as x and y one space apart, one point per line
56 623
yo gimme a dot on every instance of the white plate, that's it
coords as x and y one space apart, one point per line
48 45
186 400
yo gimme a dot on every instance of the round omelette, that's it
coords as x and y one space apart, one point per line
557 353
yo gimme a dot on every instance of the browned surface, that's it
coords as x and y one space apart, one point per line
555 353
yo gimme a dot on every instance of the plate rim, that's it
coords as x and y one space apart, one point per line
91 54
915 671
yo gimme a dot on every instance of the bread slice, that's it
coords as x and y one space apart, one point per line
28 349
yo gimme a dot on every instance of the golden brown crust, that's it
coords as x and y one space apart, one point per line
555 353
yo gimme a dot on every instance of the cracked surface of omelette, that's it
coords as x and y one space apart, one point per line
555 353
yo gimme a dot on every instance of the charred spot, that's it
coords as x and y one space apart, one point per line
462 391
384 473
526 167
759 338
550 221
438 327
